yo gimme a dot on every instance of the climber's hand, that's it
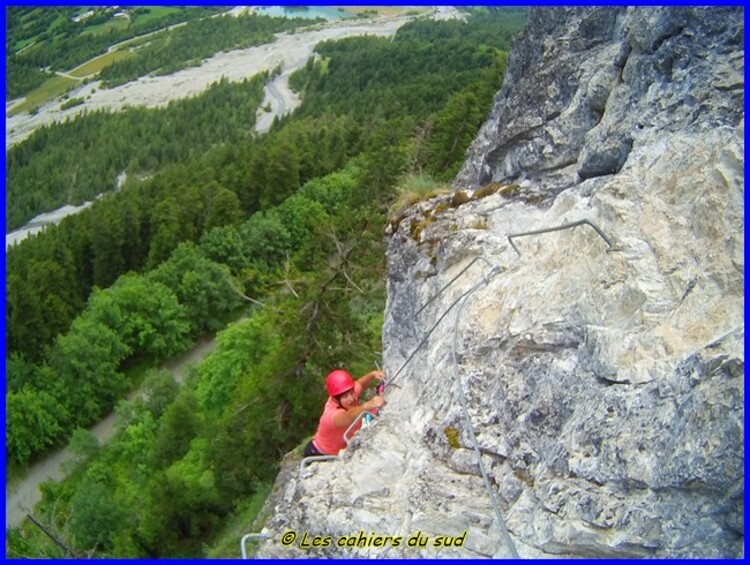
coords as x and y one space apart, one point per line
380 375
375 402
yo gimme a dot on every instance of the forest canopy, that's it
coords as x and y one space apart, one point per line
272 243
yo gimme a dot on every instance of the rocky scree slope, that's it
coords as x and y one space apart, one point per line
604 379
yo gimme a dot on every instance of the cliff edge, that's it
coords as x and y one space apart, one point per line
576 392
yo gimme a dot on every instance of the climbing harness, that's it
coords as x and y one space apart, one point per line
494 270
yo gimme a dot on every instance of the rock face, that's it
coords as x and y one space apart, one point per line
601 365
584 85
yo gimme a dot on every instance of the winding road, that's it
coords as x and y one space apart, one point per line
279 97
290 51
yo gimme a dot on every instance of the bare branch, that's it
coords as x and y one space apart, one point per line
353 284
289 286
336 241
50 535
287 282
241 408
258 302
312 317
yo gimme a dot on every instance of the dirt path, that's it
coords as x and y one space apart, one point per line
21 497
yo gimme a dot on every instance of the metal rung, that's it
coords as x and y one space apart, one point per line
246 538
562 227
313 458
361 415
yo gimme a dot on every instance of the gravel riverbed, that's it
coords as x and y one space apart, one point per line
290 51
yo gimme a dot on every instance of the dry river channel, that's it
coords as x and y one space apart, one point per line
289 52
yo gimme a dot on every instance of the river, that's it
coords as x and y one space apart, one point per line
22 496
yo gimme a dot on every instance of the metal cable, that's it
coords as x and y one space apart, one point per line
492 272
493 499
450 282
470 427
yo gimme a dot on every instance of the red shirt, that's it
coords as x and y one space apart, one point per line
329 439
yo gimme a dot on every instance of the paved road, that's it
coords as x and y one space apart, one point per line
289 50
280 98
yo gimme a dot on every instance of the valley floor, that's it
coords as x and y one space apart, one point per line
290 51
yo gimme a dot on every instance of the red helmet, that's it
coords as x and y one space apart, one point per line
338 382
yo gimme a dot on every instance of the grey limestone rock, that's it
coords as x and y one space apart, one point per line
586 84
604 379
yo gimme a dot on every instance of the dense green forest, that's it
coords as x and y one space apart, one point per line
274 242
41 40
196 41
43 175
75 161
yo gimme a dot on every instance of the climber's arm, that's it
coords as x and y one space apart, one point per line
344 418
369 377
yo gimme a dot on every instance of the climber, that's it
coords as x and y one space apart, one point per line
341 409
